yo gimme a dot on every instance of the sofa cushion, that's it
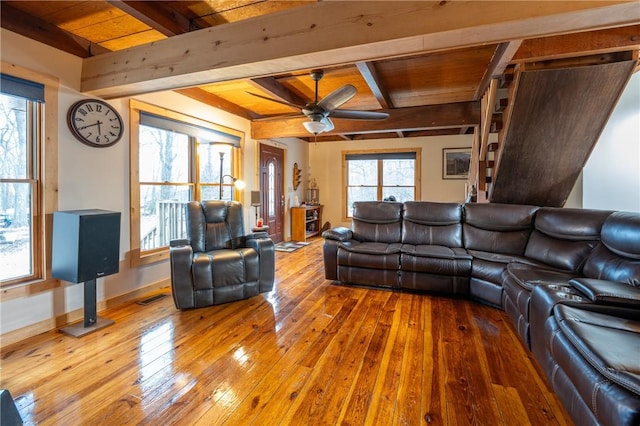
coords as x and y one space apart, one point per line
620 234
497 228
617 256
435 260
603 264
222 268
370 247
557 253
435 251
563 238
436 265
571 224
376 221
609 344
370 255
432 223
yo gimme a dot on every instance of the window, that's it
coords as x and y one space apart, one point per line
175 159
21 112
382 175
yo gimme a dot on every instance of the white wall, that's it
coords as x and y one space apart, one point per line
99 178
612 174
325 164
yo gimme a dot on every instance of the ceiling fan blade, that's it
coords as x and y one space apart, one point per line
338 97
358 115
276 100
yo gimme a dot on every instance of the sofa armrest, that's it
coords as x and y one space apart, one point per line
339 234
181 258
257 235
607 292
179 242
266 252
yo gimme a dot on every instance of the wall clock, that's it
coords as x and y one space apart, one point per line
95 123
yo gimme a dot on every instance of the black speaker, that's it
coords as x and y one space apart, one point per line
9 415
86 244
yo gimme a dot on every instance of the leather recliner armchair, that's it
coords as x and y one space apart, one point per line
218 263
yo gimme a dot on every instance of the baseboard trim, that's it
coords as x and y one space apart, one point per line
44 326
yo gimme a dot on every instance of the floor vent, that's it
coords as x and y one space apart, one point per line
151 299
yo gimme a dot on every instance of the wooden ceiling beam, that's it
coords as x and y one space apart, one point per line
433 132
34 28
499 61
274 88
215 101
156 15
370 136
400 119
327 33
579 44
372 78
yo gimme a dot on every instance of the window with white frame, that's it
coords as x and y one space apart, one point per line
21 120
179 159
378 176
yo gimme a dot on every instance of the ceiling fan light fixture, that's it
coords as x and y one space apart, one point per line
314 127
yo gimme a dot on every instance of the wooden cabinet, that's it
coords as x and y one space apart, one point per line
306 222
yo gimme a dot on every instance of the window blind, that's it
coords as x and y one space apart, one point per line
15 86
202 133
383 156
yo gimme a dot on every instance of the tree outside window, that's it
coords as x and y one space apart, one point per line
19 130
177 160
164 185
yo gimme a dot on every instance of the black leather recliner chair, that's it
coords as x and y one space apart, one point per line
218 263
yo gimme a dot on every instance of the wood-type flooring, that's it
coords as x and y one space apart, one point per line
309 353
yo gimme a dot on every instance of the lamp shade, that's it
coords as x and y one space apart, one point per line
239 184
314 127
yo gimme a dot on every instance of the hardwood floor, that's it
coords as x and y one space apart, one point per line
311 352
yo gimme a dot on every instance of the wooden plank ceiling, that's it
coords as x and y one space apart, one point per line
427 93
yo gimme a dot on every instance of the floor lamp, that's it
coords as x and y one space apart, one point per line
239 184
255 202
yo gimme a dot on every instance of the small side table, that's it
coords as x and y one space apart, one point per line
260 229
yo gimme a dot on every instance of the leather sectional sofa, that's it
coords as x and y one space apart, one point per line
569 279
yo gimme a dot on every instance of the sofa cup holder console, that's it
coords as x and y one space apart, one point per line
568 296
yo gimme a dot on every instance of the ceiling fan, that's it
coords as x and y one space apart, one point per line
319 111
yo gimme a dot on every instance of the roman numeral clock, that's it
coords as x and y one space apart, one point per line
95 123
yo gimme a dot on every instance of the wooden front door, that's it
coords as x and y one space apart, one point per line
272 190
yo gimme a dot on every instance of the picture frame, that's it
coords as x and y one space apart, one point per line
455 163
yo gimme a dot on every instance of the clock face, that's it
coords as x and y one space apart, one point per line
95 123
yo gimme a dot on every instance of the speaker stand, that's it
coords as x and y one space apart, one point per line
92 322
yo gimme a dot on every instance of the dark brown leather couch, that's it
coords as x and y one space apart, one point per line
218 263
569 279
560 243
495 235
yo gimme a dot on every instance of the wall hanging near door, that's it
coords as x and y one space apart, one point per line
297 176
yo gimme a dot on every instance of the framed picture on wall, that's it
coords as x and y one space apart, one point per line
455 163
